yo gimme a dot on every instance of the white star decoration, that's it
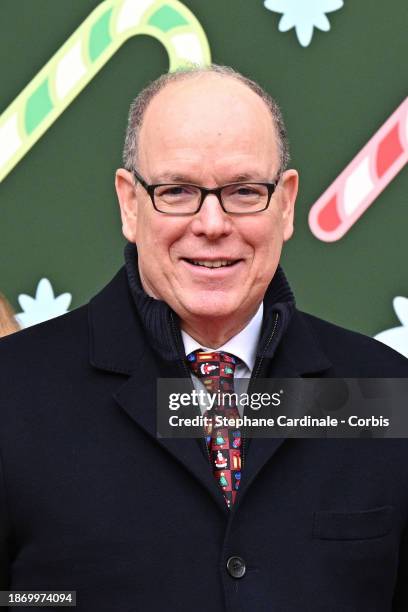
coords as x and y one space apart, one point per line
397 337
44 306
304 15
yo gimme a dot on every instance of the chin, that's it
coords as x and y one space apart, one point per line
212 305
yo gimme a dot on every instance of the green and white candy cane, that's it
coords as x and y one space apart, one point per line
79 59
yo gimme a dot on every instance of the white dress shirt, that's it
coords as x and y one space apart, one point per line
243 345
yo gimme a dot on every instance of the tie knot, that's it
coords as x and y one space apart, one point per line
212 365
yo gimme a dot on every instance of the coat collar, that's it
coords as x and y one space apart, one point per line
118 338
300 353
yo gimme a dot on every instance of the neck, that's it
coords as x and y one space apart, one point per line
215 333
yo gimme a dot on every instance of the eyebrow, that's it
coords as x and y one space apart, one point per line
173 178
182 178
239 178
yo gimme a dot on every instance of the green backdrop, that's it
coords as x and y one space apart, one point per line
58 211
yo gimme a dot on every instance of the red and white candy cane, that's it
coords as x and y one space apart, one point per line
360 183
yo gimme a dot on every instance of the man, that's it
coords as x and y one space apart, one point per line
91 499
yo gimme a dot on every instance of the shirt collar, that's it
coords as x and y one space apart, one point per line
243 345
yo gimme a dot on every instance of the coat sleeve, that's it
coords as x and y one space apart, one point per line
400 601
4 535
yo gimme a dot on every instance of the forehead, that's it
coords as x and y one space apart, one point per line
207 117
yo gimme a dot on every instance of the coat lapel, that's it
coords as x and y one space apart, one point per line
117 344
137 397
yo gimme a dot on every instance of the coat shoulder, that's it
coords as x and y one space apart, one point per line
54 341
349 348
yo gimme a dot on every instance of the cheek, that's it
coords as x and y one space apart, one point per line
158 235
266 240
265 235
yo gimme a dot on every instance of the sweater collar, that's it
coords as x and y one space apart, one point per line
162 326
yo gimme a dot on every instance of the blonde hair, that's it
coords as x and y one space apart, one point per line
8 323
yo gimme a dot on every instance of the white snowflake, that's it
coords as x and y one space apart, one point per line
44 306
397 337
304 15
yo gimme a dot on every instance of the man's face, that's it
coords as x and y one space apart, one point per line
209 131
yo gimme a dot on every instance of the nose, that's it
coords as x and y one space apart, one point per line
211 220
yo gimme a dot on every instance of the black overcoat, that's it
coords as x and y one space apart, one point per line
91 500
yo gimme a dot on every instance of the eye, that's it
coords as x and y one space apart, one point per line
175 191
245 191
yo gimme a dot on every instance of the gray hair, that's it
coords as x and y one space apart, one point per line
142 100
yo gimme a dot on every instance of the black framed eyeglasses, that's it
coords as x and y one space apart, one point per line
241 198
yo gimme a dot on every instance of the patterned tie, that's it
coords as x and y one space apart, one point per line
216 371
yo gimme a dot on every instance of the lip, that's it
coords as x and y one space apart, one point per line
212 272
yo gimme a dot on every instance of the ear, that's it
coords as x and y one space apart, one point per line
125 189
287 192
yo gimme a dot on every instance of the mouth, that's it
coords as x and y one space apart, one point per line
212 264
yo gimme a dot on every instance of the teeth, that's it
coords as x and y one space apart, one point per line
211 264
